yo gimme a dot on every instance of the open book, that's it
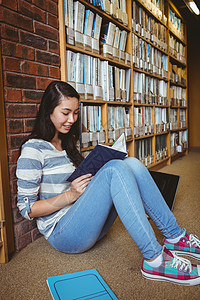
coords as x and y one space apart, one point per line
100 155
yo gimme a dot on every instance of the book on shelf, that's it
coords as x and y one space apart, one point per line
99 156
143 151
79 13
92 131
87 284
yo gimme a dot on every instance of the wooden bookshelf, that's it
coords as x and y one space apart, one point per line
161 18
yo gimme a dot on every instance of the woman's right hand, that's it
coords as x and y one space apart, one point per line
79 185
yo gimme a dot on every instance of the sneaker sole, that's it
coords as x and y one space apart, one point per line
193 255
188 282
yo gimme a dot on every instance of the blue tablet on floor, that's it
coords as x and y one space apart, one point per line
83 285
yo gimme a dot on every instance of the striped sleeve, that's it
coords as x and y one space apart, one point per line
29 173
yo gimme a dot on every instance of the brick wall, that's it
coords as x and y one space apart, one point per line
30 60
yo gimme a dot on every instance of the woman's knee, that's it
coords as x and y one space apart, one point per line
135 165
115 164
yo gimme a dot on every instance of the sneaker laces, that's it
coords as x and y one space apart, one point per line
182 262
193 240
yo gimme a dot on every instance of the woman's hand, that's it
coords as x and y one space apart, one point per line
48 206
79 185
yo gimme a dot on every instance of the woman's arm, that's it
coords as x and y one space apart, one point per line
48 206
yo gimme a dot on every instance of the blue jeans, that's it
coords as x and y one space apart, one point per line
124 188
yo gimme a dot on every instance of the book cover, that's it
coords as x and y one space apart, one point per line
80 285
99 156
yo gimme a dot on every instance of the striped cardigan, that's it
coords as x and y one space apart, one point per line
42 173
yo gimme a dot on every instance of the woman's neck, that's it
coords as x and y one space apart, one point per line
57 143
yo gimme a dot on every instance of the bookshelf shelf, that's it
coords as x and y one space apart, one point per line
153 105
149 42
111 61
149 74
144 137
179 62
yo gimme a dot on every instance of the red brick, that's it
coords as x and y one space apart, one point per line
32 11
47 58
15 141
16 19
52 7
25 52
24 227
32 96
13 186
54 47
9 32
17 50
14 126
28 125
12 95
21 110
46 31
11 64
34 68
20 81
10 4
40 3
42 83
13 156
17 217
52 20
12 172
35 234
33 40
22 241
54 72
13 200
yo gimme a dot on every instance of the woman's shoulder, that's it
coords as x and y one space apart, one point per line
37 144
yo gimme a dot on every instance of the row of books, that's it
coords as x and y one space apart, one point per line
176 24
148 27
113 42
174 122
177 96
178 141
149 90
97 79
149 58
92 131
143 124
174 119
143 151
161 150
85 29
177 74
161 119
182 118
118 122
156 7
177 49
115 8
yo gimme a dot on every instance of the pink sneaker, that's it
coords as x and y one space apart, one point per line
188 245
173 269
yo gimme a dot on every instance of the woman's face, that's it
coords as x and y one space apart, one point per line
65 114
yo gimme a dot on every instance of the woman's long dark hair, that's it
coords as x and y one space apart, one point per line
44 128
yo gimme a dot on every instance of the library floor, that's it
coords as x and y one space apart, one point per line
116 257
